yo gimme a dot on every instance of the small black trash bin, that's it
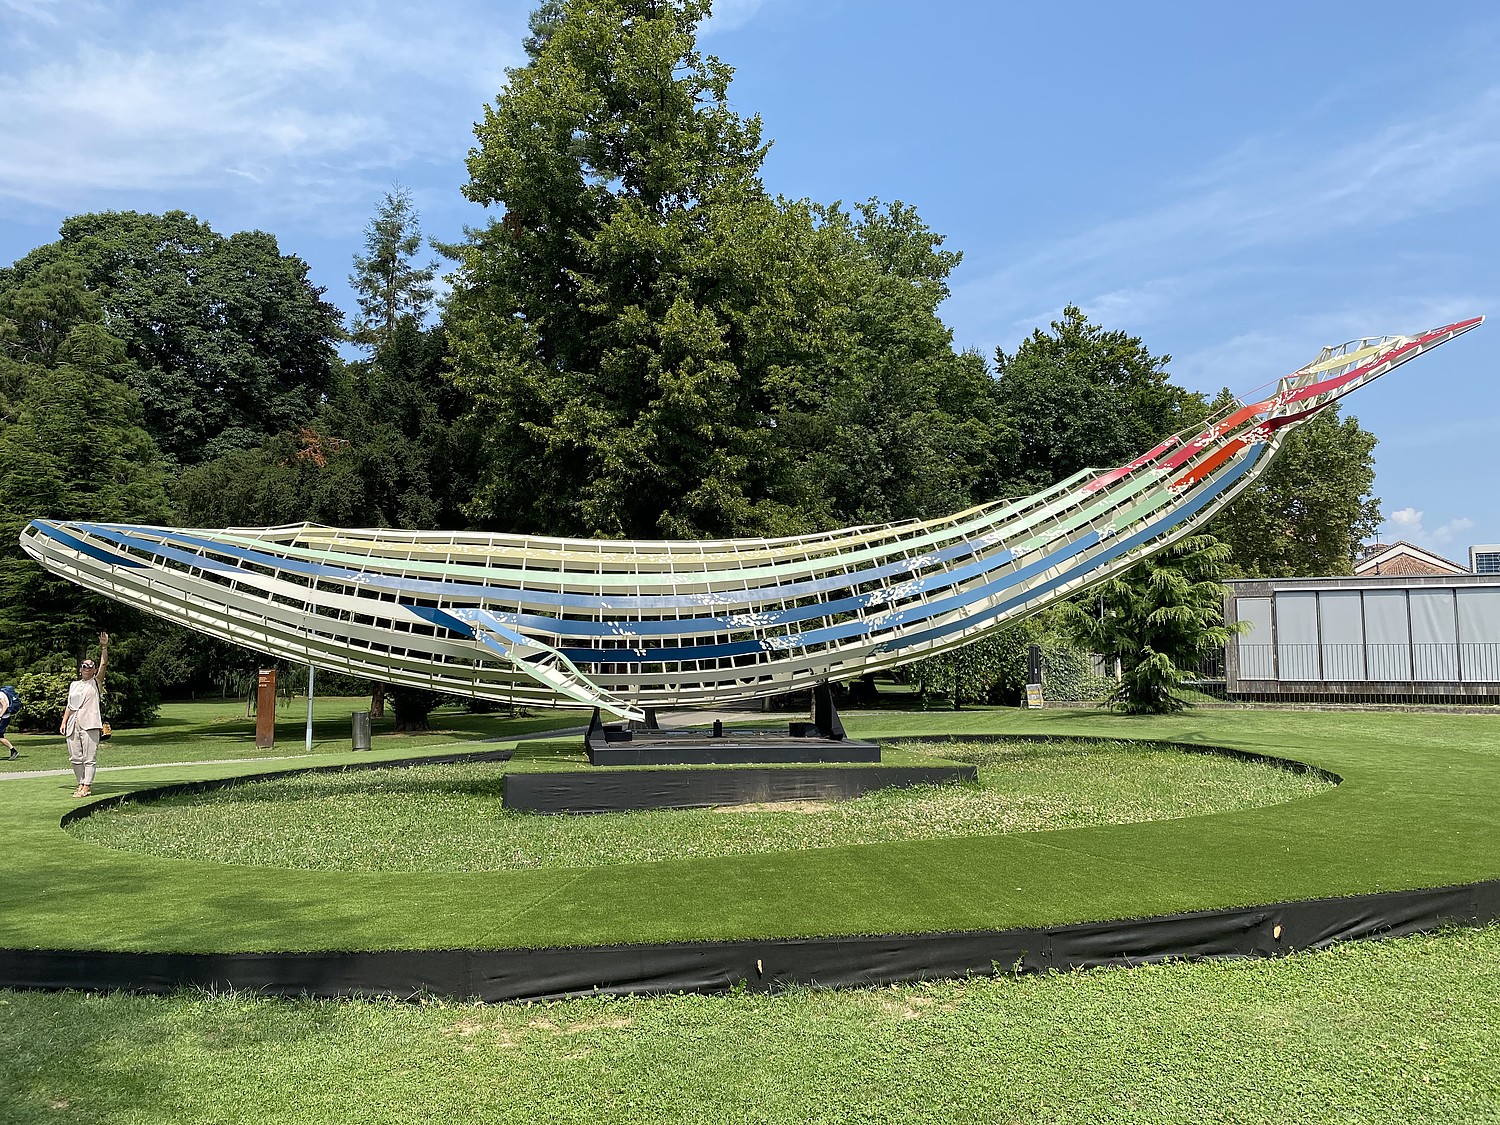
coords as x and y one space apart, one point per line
361 730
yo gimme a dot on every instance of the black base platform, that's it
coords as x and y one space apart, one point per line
577 791
733 747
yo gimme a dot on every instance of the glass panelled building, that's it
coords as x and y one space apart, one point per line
1366 638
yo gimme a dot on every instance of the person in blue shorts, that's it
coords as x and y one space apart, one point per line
10 703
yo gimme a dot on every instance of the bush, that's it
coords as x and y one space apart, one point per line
44 698
1068 676
974 672
993 669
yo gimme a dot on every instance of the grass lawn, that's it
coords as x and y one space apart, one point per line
447 817
1397 1031
1373 1032
1419 806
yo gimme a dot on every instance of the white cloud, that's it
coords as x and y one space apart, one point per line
1289 340
324 100
729 15
1407 523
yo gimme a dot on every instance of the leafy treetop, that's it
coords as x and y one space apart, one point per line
228 338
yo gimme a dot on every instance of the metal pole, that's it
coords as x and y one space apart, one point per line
309 707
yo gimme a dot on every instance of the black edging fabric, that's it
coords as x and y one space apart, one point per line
541 974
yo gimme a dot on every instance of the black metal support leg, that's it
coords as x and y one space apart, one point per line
825 714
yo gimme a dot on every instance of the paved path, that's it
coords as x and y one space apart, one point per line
151 766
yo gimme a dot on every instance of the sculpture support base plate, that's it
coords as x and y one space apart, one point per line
693 748
822 740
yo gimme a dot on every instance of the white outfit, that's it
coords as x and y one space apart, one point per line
85 724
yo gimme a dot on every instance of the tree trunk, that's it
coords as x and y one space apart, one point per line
377 702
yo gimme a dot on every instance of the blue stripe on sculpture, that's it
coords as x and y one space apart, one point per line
435 616
53 531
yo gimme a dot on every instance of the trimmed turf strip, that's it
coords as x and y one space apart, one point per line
1371 1032
1419 806
445 818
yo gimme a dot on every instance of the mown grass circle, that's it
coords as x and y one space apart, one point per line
447 818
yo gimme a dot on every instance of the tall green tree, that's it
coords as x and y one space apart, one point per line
658 347
593 320
1159 619
880 418
75 449
1311 509
228 339
387 281
390 446
1079 396
410 432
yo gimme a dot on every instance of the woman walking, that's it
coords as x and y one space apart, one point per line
83 720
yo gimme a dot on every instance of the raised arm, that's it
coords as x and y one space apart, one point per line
103 658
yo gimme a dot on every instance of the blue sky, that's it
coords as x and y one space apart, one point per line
1237 184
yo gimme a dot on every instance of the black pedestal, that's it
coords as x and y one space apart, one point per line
822 740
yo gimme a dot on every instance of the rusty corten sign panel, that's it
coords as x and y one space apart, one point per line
265 709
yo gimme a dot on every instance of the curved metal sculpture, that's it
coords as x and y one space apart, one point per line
628 625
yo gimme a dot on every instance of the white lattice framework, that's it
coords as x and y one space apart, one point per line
626 625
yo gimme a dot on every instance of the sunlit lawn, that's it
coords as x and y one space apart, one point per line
1396 1031
1377 1032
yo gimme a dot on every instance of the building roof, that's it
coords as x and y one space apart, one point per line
1405 560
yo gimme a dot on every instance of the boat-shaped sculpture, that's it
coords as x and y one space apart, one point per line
629 625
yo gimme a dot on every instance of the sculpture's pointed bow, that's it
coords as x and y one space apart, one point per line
1345 368
1187 458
